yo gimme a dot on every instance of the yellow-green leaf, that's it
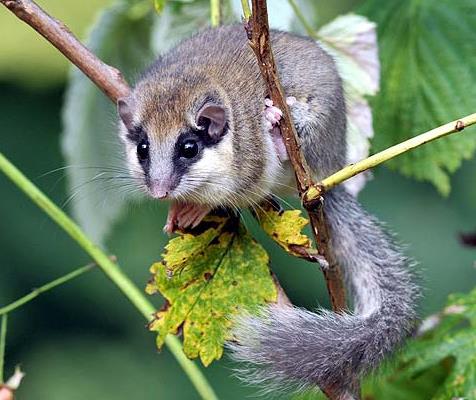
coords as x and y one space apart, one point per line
285 228
207 278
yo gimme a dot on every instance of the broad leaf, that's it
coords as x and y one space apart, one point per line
428 55
206 278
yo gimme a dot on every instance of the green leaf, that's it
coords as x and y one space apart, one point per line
90 142
442 360
428 60
206 278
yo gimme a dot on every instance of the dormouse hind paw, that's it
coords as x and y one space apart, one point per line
273 116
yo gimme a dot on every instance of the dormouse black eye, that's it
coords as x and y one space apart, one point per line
143 150
189 149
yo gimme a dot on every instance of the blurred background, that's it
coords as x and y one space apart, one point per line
84 340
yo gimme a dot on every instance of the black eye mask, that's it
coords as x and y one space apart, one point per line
191 143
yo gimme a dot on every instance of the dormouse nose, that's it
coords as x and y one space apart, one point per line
159 189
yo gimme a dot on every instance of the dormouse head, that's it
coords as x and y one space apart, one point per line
178 141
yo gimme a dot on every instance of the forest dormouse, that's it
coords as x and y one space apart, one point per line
198 130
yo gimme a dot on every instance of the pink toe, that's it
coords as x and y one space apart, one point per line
184 210
202 214
268 102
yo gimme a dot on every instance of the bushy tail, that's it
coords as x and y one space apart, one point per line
289 345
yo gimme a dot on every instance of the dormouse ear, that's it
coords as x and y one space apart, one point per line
124 109
212 117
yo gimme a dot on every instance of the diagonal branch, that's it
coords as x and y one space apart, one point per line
107 78
315 192
258 34
400 148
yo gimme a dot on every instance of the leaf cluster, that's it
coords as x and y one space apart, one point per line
440 363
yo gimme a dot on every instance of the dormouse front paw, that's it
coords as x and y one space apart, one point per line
185 215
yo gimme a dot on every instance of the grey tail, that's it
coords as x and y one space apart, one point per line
290 346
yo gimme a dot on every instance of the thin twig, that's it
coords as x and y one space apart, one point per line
394 151
315 192
107 78
3 339
258 34
245 5
215 13
50 285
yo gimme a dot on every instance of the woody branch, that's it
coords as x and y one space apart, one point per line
258 34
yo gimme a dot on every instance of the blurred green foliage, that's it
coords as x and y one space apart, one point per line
27 58
84 340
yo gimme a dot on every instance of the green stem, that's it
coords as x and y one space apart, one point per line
50 285
3 339
394 151
111 269
215 13
300 16
246 9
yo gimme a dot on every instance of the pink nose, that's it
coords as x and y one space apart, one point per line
159 190
159 193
